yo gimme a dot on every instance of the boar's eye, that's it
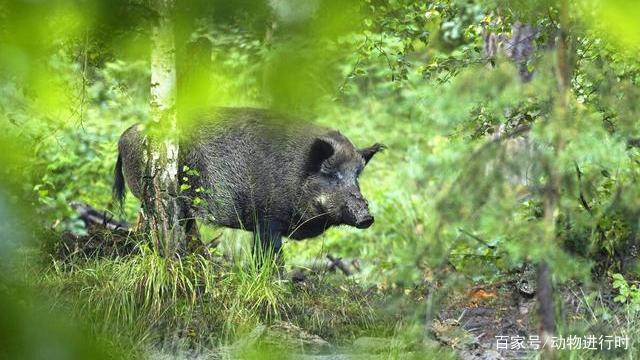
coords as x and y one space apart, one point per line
331 173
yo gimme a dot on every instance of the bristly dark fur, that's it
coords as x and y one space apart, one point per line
263 172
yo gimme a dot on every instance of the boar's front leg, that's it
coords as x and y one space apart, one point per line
267 246
193 239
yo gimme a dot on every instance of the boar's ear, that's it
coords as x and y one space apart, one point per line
367 153
321 150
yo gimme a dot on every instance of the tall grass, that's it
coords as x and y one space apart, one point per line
137 294
146 299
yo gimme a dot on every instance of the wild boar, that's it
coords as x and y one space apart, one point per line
260 171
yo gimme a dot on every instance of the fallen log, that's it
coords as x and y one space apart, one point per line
104 236
93 217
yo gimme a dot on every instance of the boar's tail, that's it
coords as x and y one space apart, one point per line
118 190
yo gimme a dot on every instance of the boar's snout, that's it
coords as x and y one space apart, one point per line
357 212
364 222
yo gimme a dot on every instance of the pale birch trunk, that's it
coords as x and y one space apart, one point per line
161 206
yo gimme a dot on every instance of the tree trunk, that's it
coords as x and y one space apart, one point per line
545 286
161 205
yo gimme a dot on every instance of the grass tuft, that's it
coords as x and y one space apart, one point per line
194 301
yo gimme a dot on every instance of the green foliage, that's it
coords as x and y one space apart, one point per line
30 332
629 294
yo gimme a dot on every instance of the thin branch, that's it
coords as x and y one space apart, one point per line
337 262
583 201
83 93
476 238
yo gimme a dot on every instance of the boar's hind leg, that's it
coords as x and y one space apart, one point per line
267 246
